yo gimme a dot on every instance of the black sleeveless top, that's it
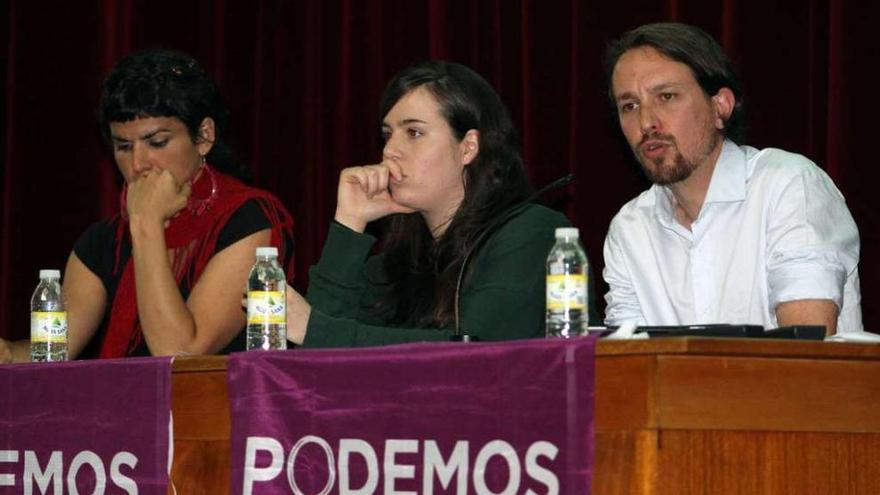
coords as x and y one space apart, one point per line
96 249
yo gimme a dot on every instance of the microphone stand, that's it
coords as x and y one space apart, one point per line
459 335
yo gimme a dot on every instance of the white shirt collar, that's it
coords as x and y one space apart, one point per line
728 183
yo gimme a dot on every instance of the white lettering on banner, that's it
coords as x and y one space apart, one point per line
347 447
432 463
540 473
251 472
490 450
291 461
32 473
53 474
458 462
121 480
92 459
8 456
394 471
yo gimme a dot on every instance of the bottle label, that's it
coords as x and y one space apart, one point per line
49 326
566 292
266 307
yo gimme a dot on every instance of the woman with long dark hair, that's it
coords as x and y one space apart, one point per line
451 186
164 275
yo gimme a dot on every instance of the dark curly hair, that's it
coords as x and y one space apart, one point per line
166 83
693 47
423 270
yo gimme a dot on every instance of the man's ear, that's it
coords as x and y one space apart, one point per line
723 102
470 146
206 136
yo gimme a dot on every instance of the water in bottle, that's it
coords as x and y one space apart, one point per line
266 305
566 286
48 320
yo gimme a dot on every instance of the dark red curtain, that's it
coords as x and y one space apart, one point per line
303 78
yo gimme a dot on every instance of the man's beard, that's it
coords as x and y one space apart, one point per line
681 167
662 175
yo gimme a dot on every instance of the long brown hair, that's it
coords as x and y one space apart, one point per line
423 270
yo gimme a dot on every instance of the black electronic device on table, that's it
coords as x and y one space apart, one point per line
714 330
799 332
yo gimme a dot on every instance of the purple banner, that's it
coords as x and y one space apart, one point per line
86 427
506 418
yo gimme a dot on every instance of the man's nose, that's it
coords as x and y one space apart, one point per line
647 119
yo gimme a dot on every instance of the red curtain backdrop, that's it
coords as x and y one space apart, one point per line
303 79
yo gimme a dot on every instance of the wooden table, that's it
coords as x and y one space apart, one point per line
673 416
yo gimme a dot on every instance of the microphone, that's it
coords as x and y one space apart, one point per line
511 212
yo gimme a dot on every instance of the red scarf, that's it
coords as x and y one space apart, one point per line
192 235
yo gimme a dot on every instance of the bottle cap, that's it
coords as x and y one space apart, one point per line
267 251
567 233
50 274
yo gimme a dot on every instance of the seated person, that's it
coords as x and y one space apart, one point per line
164 276
450 172
727 233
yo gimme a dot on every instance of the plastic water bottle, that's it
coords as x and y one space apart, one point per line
266 305
566 286
48 320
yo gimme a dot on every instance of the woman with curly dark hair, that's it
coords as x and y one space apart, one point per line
451 185
164 275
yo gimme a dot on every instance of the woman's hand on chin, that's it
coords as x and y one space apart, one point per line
363 194
156 196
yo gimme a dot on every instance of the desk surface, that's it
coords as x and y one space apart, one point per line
674 345
740 347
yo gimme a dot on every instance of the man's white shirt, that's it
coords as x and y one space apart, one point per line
773 228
